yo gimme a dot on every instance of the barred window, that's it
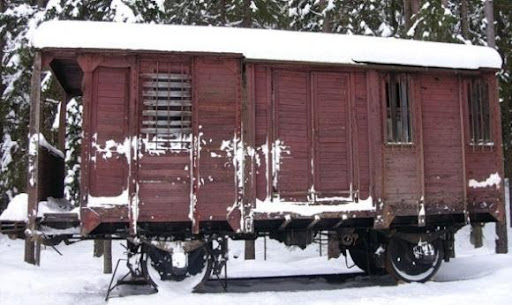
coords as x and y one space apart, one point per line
167 111
479 114
398 110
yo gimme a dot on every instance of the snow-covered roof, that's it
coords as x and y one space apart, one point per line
260 44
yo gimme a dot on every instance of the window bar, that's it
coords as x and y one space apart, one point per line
398 111
486 114
157 104
481 114
404 103
392 103
470 112
389 121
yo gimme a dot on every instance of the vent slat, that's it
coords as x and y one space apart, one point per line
171 76
165 123
170 113
163 130
166 85
183 103
167 111
180 94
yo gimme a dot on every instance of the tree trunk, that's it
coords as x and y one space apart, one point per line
222 10
489 15
415 6
411 8
107 257
98 248
246 21
326 27
464 18
250 249
407 15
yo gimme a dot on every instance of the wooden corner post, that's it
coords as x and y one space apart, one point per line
31 243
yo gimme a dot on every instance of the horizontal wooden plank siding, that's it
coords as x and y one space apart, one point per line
218 111
292 121
109 121
331 134
442 144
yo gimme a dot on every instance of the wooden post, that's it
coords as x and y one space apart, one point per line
61 143
107 256
33 159
98 248
501 226
265 247
476 236
250 249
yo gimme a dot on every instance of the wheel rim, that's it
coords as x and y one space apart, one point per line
165 264
413 262
195 273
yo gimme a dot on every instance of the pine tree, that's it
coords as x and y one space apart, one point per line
434 21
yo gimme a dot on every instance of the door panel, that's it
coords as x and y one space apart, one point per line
292 157
331 141
165 128
109 168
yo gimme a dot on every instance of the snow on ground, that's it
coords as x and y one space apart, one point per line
475 276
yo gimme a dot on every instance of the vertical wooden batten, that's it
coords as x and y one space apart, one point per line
463 143
33 159
249 136
133 131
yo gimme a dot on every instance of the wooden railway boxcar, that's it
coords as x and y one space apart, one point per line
194 132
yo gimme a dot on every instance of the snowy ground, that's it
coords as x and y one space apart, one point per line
475 276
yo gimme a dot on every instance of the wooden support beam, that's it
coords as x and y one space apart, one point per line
33 159
107 256
250 249
61 143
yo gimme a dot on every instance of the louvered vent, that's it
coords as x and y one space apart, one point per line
167 112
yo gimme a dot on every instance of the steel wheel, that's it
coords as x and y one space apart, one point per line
413 262
367 253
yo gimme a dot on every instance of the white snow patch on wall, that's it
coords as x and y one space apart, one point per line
493 179
307 209
106 201
17 209
111 146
